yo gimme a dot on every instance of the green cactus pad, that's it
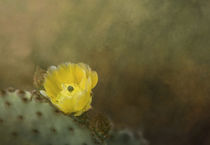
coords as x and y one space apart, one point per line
126 137
26 119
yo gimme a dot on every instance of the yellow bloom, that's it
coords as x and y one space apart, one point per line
69 86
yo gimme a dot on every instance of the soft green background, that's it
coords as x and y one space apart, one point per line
152 57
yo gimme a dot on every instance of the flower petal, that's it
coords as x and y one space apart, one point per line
94 78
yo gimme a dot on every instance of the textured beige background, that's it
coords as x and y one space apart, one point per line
152 56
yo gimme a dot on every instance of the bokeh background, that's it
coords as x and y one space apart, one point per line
152 57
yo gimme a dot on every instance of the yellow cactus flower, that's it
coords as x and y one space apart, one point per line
69 86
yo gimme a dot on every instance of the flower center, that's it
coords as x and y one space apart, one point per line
70 88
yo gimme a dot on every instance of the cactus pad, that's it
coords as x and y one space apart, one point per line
126 137
27 119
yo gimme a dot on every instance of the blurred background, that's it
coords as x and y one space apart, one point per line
152 57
